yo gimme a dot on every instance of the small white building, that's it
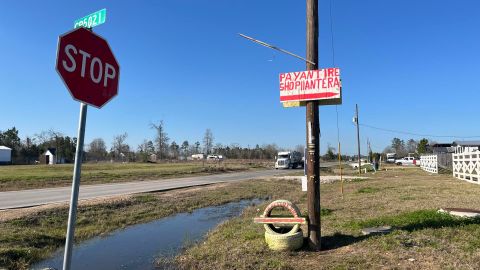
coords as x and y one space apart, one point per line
5 155
50 156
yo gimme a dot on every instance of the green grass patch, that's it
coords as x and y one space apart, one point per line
416 220
325 212
368 190
407 198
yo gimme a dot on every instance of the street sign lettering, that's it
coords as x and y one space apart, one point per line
95 67
88 67
322 84
92 20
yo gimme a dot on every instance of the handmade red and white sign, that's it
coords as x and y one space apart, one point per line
323 85
88 67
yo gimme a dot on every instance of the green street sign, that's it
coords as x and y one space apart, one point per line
92 20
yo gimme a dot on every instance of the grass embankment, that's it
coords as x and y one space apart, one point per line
19 177
31 238
405 199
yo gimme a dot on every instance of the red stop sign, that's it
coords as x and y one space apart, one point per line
88 67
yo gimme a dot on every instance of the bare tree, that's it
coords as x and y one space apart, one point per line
97 149
388 149
300 148
208 141
412 146
161 139
119 146
145 149
399 146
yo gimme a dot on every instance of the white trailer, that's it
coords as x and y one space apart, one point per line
198 156
5 155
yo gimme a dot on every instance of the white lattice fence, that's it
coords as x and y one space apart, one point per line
429 163
466 166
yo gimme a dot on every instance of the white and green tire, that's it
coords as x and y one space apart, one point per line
284 242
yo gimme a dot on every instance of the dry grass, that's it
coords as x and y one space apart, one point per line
19 177
404 198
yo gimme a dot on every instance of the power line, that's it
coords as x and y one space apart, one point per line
417 134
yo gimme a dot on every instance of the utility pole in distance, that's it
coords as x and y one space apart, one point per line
313 132
358 139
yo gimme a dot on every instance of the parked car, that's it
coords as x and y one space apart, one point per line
214 157
407 161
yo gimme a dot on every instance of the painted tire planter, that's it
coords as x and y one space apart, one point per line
292 208
282 233
284 242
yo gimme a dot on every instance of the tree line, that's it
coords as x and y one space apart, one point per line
403 148
30 149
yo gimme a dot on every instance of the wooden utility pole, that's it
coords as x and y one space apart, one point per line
313 132
358 139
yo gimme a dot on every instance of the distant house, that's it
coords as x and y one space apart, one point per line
152 158
466 146
442 148
5 155
50 157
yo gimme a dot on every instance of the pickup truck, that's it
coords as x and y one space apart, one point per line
407 161
354 165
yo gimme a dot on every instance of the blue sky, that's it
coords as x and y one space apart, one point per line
410 65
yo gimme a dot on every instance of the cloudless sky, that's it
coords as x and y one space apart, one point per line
410 65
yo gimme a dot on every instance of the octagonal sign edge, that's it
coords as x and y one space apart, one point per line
87 67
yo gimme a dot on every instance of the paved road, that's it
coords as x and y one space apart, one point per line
33 197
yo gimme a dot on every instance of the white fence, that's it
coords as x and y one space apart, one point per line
466 166
429 163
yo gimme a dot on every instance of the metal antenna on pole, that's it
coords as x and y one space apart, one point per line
275 48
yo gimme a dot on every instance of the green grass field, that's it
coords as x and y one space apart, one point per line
19 177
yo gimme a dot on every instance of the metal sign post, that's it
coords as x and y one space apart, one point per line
91 74
72 213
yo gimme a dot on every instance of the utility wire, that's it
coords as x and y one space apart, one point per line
417 134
